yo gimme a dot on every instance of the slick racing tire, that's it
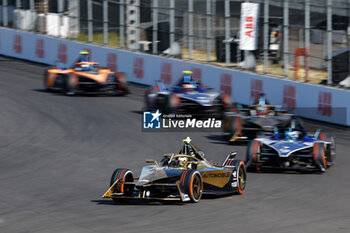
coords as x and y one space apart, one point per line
239 177
122 87
319 156
46 75
71 83
173 102
124 175
253 153
232 127
330 148
170 105
191 183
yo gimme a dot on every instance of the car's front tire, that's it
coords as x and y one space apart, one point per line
241 177
319 156
191 183
124 175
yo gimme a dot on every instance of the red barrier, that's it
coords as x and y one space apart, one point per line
301 52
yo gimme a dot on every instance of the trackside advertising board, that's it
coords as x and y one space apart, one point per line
312 101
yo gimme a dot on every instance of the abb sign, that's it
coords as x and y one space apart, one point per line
165 73
324 103
62 53
39 48
197 75
289 97
256 87
112 61
248 27
138 67
225 83
17 43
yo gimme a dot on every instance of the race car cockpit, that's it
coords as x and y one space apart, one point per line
90 67
189 149
295 132
186 83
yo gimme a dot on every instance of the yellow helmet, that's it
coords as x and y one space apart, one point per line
84 52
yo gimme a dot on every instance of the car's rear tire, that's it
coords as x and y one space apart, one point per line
191 183
70 84
330 149
319 156
232 127
126 175
46 87
241 176
253 153
122 87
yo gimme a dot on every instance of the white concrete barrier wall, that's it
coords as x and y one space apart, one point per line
53 26
311 101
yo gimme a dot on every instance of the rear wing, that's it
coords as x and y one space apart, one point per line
229 159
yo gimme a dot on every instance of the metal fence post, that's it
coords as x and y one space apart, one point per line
121 23
348 32
307 36
90 26
172 22
74 11
155 27
246 52
60 13
4 13
285 37
18 4
266 36
208 30
190 29
105 22
31 5
329 41
227 33
138 24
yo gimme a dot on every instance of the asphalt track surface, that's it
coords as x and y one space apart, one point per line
57 154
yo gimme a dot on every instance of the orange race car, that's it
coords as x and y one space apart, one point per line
85 77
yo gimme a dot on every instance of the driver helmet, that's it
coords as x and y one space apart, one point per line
182 162
292 135
187 78
262 99
84 56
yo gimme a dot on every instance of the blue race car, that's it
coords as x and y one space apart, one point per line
292 149
187 96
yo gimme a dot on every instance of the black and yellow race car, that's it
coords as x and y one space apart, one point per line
85 77
180 177
254 120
